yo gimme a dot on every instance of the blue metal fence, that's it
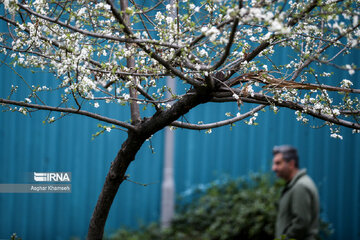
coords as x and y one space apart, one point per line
27 145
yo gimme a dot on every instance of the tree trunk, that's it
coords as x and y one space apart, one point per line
114 178
127 153
130 63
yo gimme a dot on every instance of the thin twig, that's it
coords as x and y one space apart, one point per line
69 110
217 124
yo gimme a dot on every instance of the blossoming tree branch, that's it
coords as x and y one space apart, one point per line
122 52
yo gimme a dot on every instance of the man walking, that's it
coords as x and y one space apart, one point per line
298 212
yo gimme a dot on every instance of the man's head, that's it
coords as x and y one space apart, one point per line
285 161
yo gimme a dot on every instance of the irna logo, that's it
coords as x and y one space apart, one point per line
52 177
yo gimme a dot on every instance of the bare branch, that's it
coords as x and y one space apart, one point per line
217 124
274 83
69 110
295 106
350 112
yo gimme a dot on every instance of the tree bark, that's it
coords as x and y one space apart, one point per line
114 178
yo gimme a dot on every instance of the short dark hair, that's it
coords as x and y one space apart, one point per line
289 153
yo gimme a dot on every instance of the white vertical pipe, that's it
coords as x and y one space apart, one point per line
168 183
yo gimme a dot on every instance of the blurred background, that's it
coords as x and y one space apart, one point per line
31 144
66 145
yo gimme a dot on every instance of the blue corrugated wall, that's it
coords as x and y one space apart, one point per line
27 145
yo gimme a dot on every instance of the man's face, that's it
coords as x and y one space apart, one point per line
282 168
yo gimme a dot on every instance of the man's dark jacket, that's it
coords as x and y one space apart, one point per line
298 213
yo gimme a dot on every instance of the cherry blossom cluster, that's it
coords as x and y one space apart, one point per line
87 44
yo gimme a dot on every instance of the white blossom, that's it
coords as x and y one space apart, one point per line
52 119
336 112
126 96
10 5
355 21
169 20
159 17
203 53
81 11
213 32
250 90
84 64
278 27
23 110
350 69
335 135
346 83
